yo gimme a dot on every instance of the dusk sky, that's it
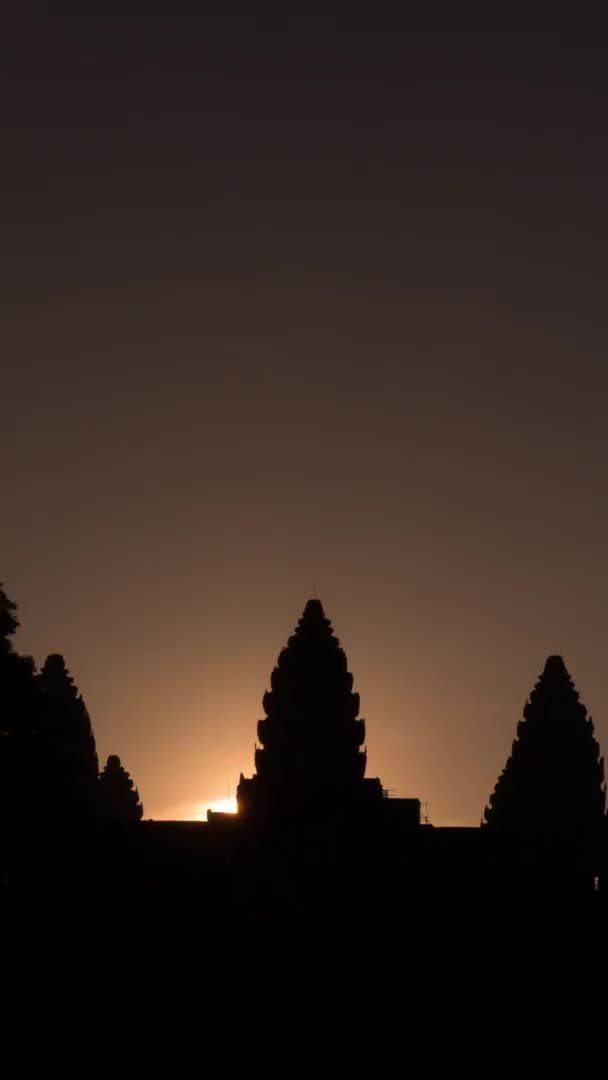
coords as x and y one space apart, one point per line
294 298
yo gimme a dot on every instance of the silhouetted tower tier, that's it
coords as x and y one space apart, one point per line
67 723
64 747
311 737
117 798
553 782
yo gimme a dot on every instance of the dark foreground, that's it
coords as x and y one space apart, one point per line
439 948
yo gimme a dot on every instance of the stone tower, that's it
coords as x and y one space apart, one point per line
553 782
311 763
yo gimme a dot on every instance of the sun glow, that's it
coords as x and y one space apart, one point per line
219 806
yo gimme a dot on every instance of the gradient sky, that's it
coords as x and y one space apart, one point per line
294 298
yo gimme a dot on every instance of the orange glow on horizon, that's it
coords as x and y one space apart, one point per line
219 806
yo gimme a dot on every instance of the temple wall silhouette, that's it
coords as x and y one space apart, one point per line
320 888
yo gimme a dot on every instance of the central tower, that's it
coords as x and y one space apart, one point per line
310 761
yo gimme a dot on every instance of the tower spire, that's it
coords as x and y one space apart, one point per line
553 782
310 736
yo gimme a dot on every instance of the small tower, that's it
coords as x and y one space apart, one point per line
553 782
68 738
118 801
310 761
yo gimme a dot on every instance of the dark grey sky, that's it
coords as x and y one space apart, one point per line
296 298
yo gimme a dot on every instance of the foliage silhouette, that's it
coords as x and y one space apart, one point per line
9 622
19 717
18 692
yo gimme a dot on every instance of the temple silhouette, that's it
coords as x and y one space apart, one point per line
553 782
310 767
324 898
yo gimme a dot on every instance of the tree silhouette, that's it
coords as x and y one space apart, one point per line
17 688
19 716
553 782
69 746
117 799
311 737
9 622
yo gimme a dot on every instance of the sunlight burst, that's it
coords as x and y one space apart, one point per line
219 806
